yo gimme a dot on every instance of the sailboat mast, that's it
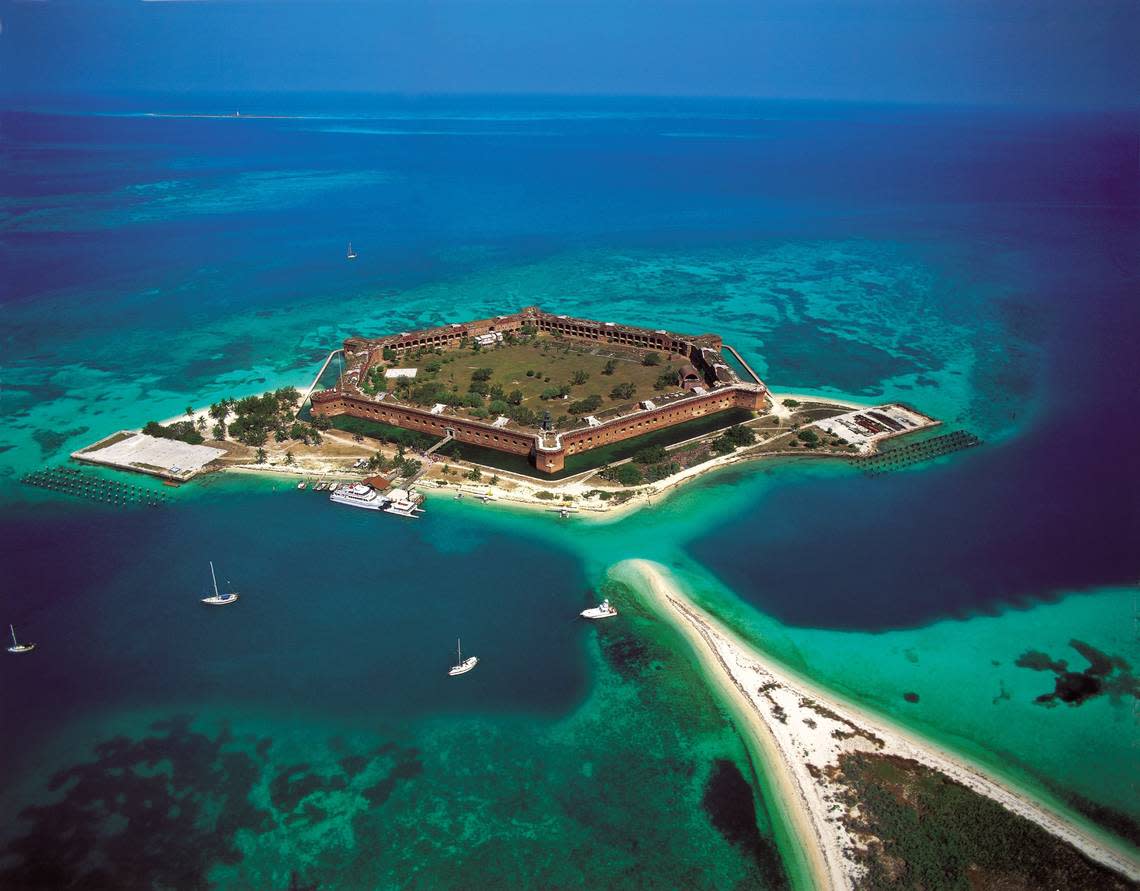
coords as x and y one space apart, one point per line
214 578
458 651
15 643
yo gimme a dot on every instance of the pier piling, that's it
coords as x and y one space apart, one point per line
917 452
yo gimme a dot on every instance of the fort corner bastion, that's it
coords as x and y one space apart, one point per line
693 380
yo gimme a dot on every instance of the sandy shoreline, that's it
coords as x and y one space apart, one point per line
802 729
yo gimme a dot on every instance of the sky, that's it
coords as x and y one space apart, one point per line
1006 52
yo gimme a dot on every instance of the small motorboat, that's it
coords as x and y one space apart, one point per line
603 610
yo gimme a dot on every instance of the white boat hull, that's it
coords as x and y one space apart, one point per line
369 500
220 601
463 667
22 648
601 611
413 512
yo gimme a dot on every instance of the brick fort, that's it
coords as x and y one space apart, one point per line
398 380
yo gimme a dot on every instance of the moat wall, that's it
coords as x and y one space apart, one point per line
550 457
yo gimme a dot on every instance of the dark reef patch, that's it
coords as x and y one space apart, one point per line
728 801
626 654
1105 674
51 441
408 766
159 811
297 782
825 359
910 697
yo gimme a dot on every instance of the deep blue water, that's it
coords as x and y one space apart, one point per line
355 619
1053 510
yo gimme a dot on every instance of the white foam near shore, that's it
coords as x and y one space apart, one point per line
802 730
151 454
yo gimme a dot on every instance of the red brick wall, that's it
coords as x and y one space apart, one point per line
659 418
424 421
330 404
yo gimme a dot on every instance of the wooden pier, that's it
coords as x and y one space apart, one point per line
917 452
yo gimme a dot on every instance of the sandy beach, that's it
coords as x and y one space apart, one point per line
800 730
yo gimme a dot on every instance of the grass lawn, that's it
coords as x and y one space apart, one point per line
553 364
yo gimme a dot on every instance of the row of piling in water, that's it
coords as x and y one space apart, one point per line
917 452
74 482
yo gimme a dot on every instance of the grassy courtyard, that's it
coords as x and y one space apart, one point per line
523 380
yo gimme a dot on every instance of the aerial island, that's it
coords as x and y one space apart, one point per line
578 415
528 408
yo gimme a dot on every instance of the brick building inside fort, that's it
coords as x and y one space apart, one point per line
705 384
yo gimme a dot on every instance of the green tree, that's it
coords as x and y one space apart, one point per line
649 455
651 359
629 475
623 391
610 366
585 406
579 377
740 435
261 456
515 397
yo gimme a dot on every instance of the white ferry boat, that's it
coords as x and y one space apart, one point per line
359 495
603 610
404 503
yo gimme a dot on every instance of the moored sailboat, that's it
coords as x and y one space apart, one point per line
218 599
18 647
462 666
